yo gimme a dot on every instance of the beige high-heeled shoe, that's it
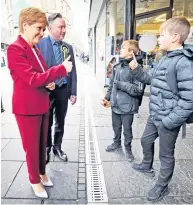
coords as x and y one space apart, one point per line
48 183
42 194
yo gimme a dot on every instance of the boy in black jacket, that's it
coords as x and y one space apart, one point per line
123 95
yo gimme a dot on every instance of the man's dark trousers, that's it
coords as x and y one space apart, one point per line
167 140
59 106
125 120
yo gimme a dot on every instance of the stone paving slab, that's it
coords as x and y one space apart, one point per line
37 201
13 151
4 142
70 147
133 200
8 173
63 175
71 132
10 130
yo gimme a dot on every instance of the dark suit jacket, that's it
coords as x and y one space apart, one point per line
47 52
29 80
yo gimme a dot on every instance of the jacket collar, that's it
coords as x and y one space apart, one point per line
23 42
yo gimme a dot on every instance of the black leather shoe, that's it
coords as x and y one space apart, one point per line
142 169
60 154
113 147
157 193
48 149
129 155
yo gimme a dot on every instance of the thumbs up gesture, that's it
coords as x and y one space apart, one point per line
68 65
133 64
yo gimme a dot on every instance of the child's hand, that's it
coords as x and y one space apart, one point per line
133 64
106 103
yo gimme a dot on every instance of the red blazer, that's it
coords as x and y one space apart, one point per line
29 94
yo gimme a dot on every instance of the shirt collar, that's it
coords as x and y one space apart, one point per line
54 41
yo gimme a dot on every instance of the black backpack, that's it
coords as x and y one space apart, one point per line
172 74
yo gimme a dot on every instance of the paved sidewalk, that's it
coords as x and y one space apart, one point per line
124 186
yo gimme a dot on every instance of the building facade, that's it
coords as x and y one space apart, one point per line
116 20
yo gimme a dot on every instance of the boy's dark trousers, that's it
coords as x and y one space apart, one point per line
117 121
167 140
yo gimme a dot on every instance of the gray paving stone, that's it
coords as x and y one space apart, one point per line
64 177
122 181
104 133
81 175
73 119
71 132
13 151
81 180
109 156
186 199
82 201
10 131
81 194
82 170
133 200
48 201
81 187
70 147
4 142
82 165
21 201
37 201
8 173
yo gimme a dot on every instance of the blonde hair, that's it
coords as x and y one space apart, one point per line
131 45
31 15
177 24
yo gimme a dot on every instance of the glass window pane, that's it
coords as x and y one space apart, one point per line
184 8
149 5
150 25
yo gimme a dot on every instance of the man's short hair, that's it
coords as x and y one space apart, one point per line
54 16
131 45
177 24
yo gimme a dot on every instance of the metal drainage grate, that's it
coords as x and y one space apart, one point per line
96 190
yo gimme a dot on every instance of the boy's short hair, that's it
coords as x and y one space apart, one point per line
177 24
132 45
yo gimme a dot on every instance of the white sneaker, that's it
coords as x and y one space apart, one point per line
42 194
48 183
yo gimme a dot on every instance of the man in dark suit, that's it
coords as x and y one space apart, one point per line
52 49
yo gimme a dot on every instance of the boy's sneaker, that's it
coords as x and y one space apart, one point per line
140 168
113 147
129 155
157 193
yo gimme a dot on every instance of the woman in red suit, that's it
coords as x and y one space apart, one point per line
30 99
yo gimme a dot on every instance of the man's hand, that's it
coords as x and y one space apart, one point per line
133 64
51 86
68 65
73 99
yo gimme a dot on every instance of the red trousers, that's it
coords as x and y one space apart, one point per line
33 130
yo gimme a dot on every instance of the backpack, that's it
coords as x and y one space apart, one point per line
172 74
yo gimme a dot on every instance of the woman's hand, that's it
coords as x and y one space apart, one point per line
51 86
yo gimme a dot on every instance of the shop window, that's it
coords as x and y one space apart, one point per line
150 5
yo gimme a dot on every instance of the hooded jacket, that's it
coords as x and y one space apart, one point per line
164 105
123 89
